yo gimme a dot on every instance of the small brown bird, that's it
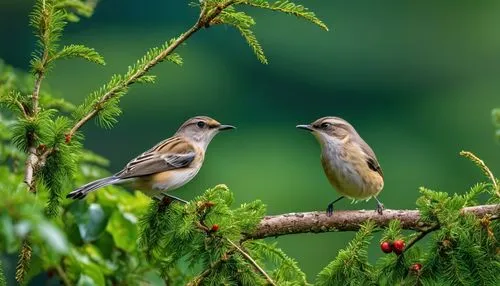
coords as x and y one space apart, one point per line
349 163
168 165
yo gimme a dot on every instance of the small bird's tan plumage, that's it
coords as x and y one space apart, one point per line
348 161
166 166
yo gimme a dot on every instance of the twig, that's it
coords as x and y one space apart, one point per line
33 160
204 19
201 225
62 275
316 222
249 258
21 107
480 163
198 279
421 235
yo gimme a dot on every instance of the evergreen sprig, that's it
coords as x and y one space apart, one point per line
76 8
79 51
48 23
392 232
60 165
394 269
287 7
32 131
482 166
194 242
201 233
103 103
243 23
351 264
287 270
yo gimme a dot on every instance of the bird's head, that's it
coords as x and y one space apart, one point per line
202 129
331 130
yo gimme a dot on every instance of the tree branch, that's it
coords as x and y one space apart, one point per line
421 234
203 21
33 160
62 275
253 262
316 222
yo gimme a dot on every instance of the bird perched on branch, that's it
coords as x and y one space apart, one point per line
168 165
349 163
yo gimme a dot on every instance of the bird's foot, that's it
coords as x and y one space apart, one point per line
164 203
329 209
380 208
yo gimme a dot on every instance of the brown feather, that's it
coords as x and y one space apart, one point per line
170 154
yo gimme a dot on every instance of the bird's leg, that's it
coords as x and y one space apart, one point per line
329 208
380 206
165 200
176 198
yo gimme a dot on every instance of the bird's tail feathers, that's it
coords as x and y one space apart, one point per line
82 191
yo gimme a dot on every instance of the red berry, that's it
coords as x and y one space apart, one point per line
386 247
398 246
416 267
214 228
67 138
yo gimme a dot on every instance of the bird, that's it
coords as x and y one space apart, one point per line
168 165
348 161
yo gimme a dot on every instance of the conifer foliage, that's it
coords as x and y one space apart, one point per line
115 237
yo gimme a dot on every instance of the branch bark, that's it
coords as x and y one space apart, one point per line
32 160
317 222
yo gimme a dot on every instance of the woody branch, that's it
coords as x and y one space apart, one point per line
317 222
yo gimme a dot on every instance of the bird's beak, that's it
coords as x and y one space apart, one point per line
307 127
226 127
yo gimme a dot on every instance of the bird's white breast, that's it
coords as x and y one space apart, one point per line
176 179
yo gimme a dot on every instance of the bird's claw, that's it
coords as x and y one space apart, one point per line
380 208
329 209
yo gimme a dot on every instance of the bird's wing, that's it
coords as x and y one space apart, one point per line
173 153
371 159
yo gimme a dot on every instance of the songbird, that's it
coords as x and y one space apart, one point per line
349 163
169 165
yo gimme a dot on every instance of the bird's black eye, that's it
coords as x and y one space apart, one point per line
325 125
200 124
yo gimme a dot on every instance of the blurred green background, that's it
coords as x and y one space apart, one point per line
418 80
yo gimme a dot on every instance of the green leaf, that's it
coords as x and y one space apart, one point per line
91 220
53 237
85 280
81 265
7 233
79 51
123 228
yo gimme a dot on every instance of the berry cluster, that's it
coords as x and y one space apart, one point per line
397 246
